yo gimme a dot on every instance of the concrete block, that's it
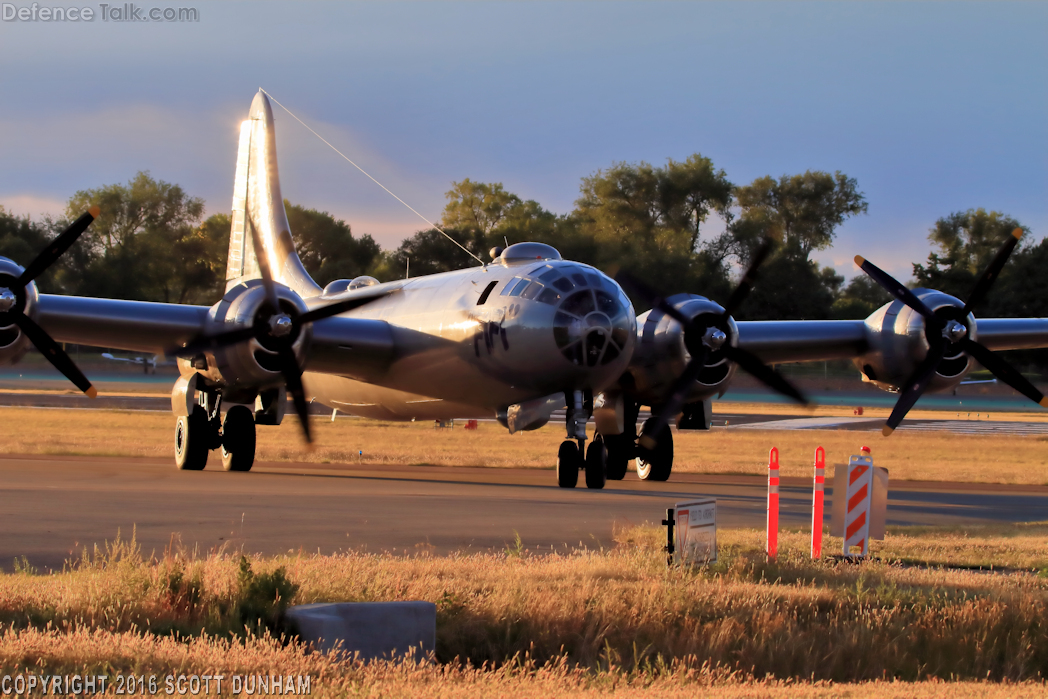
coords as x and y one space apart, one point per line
375 630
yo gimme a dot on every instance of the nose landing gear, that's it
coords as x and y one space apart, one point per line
573 456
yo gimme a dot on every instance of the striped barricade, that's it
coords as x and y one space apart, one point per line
860 503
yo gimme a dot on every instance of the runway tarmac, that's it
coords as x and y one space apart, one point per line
53 506
959 423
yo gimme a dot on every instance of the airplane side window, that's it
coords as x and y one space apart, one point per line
486 293
519 287
549 296
564 284
531 291
509 286
579 279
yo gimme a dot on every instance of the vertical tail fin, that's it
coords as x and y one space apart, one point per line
257 202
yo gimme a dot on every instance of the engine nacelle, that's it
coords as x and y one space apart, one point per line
13 342
898 341
661 356
245 368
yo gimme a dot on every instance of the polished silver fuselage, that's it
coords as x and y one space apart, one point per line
453 358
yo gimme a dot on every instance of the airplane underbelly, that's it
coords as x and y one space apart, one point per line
382 403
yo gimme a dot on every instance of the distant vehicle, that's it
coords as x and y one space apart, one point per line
516 338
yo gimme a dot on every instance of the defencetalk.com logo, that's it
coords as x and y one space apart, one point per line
124 12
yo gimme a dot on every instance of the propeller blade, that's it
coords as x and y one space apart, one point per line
54 353
914 387
59 245
746 283
293 380
263 267
896 289
1004 371
654 298
675 402
990 275
333 309
213 342
764 373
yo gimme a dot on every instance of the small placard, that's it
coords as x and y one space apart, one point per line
696 532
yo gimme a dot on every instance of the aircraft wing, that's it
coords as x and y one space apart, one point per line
142 326
781 341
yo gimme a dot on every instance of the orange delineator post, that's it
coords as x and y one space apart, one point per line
773 503
817 503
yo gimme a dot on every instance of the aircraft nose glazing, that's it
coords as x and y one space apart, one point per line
592 327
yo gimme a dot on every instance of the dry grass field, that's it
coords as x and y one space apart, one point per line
590 623
908 456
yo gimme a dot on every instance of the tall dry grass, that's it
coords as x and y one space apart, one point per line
104 652
908 456
620 614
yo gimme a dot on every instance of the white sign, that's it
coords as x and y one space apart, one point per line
696 532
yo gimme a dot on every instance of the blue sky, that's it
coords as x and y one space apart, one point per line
932 107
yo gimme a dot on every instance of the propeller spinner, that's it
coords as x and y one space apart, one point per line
703 336
277 330
13 299
946 329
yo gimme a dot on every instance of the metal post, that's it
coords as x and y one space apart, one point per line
668 523
818 492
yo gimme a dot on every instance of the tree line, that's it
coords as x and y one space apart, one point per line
152 241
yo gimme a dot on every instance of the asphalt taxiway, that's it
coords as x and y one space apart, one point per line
55 505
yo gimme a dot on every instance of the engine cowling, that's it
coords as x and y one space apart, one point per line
13 342
898 339
244 368
661 355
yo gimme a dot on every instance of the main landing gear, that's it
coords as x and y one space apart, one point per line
204 429
608 457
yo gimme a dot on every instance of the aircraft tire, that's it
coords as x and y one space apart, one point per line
191 440
656 464
620 450
238 439
569 461
596 464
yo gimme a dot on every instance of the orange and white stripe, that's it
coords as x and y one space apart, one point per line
859 494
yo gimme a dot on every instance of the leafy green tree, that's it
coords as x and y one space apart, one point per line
327 247
690 191
802 211
21 240
861 297
792 287
430 252
478 207
143 204
648 219
965 243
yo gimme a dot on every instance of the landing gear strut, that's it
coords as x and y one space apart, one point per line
203 429
573 455
238 439
192 440
656 464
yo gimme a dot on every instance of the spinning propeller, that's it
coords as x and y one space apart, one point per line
13 301
946 329
276 328
703 336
